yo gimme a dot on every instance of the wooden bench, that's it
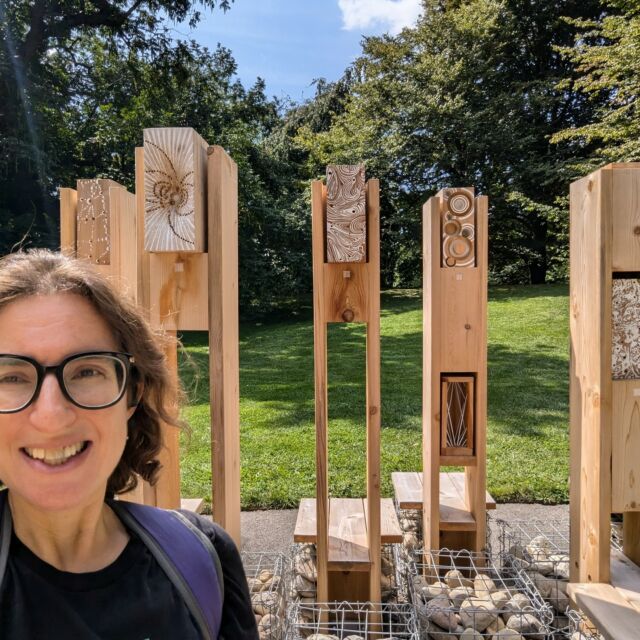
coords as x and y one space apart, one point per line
613 608
454 515
348 544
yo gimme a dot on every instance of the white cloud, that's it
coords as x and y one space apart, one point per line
367 14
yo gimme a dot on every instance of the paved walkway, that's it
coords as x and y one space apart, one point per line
273 530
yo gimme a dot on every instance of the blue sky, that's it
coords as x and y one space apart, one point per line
288 43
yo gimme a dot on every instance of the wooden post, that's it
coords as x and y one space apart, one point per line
347 292
373 388
454 365
68 207
318 202
224 359
605 370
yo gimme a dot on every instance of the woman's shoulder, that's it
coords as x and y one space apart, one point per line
221 540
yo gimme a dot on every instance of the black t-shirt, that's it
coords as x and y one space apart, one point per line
131 599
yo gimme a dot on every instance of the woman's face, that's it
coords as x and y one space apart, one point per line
48 329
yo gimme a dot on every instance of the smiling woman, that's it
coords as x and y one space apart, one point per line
83 391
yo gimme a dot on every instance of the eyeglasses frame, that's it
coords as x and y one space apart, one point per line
41 370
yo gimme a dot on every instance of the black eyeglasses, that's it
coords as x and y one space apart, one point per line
90 380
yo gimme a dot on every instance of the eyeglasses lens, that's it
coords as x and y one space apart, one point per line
91 381
18 382
94 381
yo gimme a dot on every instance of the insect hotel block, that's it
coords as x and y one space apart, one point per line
175 165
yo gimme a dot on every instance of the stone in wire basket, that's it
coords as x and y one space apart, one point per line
266 577
351 621
465 595
304 573
539 549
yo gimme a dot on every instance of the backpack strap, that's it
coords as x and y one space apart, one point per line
6 525
194 569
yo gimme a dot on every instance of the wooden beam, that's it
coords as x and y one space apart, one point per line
224 365
590 379
373 400
68 208
318 201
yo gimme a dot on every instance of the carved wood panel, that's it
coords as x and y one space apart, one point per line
175 162
625 311
93 220
457 415
458 224
346 214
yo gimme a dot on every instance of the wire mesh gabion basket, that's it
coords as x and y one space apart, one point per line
351 621
267 579
580 627
464 594
304 574
540 550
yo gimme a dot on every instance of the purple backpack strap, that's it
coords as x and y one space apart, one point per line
186 555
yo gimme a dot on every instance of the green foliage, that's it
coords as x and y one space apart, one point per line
467 97
607 56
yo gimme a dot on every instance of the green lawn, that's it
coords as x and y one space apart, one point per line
528 444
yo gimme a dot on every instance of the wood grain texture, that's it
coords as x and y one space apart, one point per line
625 318
306 523
431 320
68 208
625 207
454 343
178 290
407 488
93 235
346 215
318 202
144 271
458 228
631 537
224 358
625 447
608 610
175 168
168 485
590 377
373 399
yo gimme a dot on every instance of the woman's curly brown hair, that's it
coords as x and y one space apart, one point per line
42 272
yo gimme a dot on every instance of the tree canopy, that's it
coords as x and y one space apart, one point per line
514 97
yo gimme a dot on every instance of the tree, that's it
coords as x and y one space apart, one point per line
42 64
467 97
607 56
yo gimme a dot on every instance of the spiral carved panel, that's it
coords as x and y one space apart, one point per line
346 213
93 220
458 224
174 190
625 307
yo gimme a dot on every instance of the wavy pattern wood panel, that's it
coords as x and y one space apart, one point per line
93 220
458 224
625 311
174 186
346 213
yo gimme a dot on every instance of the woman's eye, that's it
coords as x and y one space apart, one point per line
88 373
12 379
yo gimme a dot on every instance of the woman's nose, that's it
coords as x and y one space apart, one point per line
51 410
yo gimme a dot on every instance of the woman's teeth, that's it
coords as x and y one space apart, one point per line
55 457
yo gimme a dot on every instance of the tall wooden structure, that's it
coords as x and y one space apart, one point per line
186 212
346 288
455 369
605 394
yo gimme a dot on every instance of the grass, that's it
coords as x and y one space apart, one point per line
528 445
